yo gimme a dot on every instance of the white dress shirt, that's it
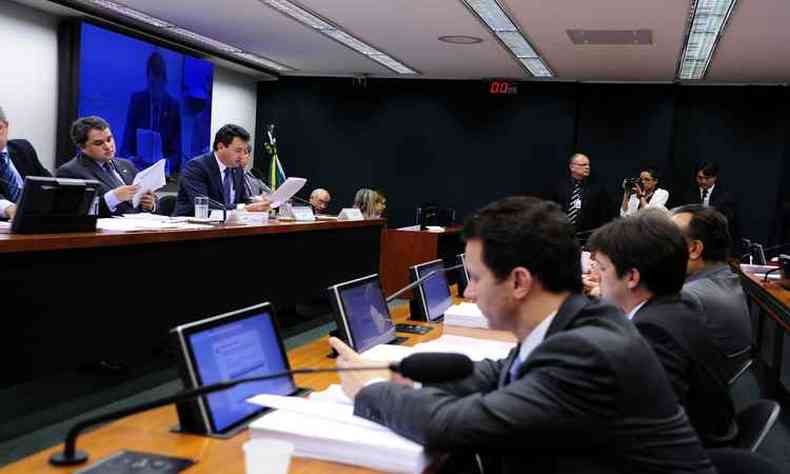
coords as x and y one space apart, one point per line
659 199
633 311
222 168
535 337
706 201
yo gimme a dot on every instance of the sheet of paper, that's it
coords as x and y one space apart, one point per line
149 180
323 409
286 191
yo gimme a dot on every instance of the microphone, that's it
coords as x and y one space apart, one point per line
420 280
421 367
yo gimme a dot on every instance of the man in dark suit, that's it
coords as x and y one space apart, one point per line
581 393
585 201
218 175
154 110
713 284
709 192
18 159
96 160
642 261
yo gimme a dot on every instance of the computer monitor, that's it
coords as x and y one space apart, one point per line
463 279
231 346
432 295
361 312
53 205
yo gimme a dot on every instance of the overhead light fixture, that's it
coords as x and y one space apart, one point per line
129 13
331 30
706 25
491 13
204 40
261 61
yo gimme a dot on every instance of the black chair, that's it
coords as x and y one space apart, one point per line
166 205
754 423
739 461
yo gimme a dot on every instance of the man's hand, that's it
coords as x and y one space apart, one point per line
148 201
125 193
10 211
353 382
261 206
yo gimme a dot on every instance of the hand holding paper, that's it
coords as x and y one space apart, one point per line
149 180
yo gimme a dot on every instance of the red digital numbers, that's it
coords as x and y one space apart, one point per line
502 88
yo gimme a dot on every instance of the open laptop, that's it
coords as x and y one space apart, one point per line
361 313
230 346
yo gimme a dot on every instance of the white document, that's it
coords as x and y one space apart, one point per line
472 347
465 314
340 413
149 180
289 188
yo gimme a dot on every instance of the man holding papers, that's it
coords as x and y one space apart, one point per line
96 160
582 392
218 175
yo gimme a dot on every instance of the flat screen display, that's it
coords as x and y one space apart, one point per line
243 348
435 290
367 314
156 100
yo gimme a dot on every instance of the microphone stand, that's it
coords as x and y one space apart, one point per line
420 280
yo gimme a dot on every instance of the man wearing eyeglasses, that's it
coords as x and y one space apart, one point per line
585 201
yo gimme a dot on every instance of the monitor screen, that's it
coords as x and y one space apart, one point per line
240 348
435 291
156 100
366 313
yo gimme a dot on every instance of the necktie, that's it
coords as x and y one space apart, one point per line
704 195
576 194
10 183
513 372
226 187
111 173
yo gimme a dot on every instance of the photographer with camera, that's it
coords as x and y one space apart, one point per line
642 192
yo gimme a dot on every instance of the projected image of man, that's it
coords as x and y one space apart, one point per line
153 121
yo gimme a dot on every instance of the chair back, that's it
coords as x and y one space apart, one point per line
754 423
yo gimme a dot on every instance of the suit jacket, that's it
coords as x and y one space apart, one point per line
717 290
200 177
591 398
83 167
696 366
139 116
723 200
25 159
597 206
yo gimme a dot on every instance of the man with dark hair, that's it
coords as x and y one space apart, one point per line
582 392
585 201
153 112
709 192
218 175
18 159
713 284
96 160
642 261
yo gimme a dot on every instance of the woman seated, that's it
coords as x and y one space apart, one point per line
645 193
371 203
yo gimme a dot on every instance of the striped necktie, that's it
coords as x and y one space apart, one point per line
573 209
704 195
9 182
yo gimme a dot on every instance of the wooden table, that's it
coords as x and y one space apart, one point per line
149 432
75 299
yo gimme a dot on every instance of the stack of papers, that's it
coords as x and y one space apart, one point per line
474 348
329 431
465 314
145 221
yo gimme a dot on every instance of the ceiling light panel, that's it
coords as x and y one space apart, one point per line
491 13
123 10
706 26
204 40
333 31
261 61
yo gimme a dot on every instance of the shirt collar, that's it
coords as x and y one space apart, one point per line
5 151
636 308
221 165
535 337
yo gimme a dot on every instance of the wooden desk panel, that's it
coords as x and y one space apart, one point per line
149 431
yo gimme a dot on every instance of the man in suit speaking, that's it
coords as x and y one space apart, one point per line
96 160
218 175
582 392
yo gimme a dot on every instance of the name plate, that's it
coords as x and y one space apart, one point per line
350 214
303 213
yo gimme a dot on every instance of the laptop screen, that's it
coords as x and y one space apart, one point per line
366 313
435 291
239 348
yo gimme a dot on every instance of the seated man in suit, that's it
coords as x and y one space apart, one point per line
97 160
582 392
713 284
218 175
18 159
642 261
586 202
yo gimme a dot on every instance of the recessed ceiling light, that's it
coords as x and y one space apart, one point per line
460 39
705 28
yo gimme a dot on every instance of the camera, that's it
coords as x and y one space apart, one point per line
630 183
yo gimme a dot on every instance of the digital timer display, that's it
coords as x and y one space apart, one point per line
502 88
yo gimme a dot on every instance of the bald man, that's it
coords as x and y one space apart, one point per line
585 201
320 199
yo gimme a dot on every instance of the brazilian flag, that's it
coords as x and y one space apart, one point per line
276 171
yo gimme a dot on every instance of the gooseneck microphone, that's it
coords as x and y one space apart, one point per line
422 279
421 367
